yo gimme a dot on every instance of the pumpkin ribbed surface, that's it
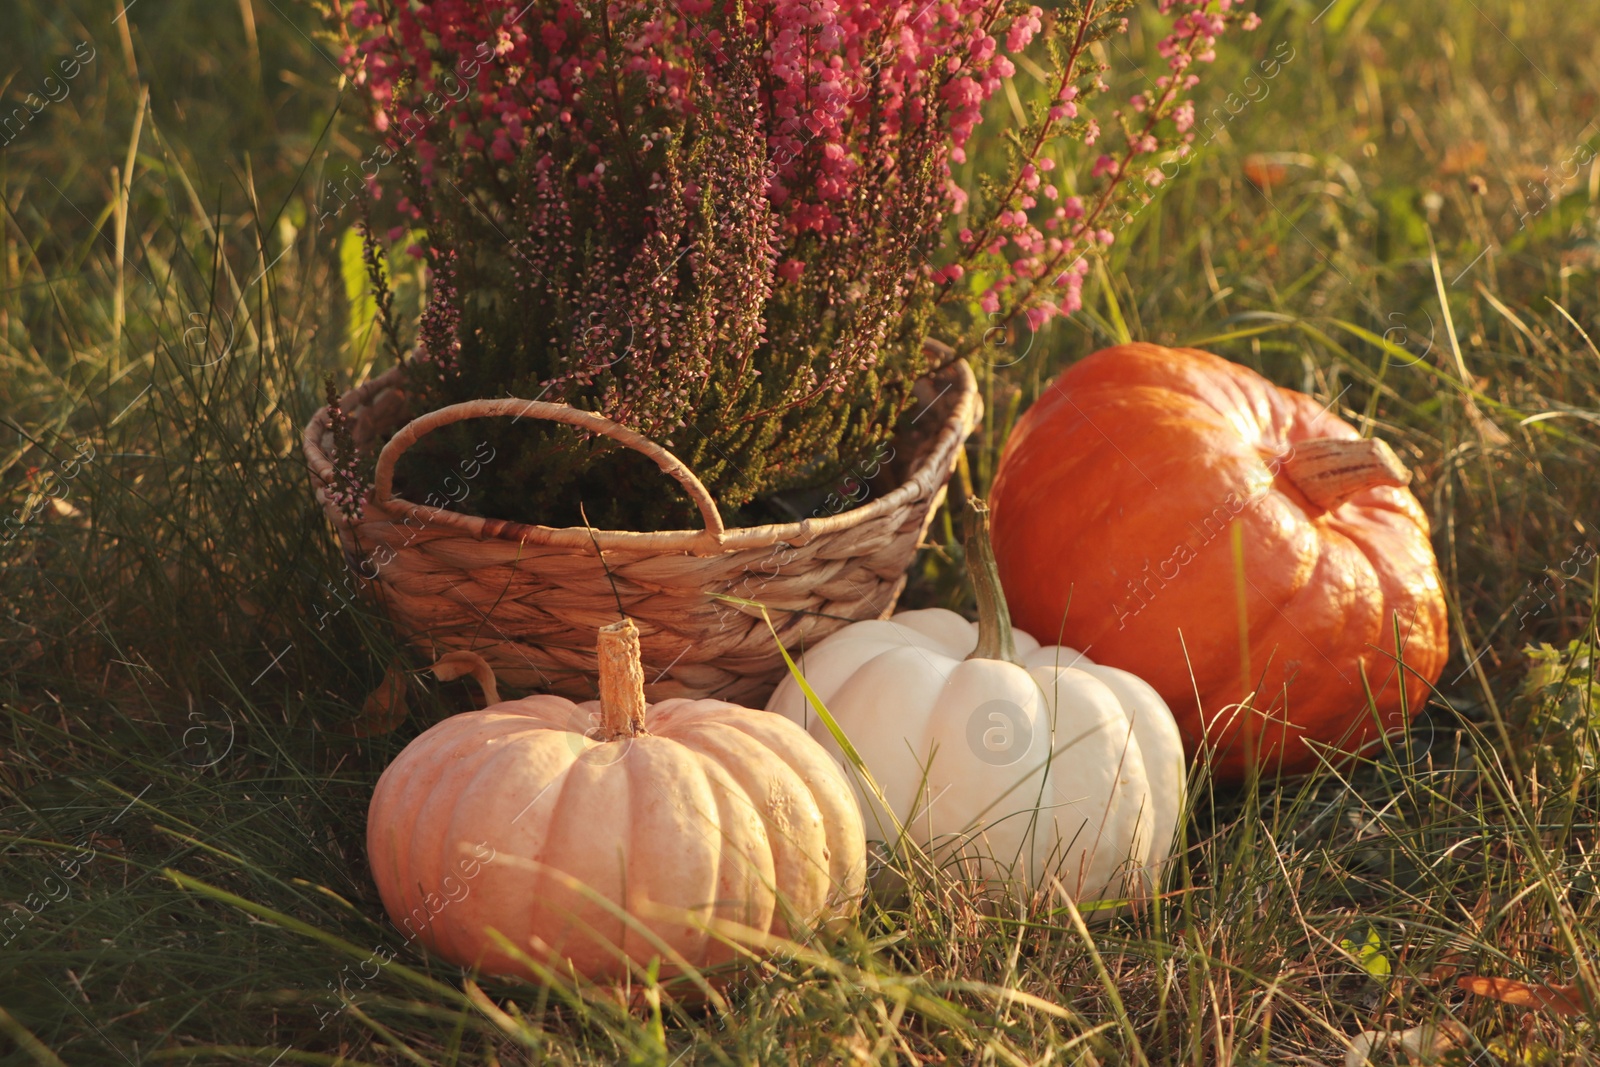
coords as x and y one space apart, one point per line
715 814
1015 762
1081 783
1122 500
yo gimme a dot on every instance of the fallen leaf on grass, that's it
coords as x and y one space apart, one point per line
385 707
1445 969
1264 172
1424 1043
1369 955
461 664
1560 999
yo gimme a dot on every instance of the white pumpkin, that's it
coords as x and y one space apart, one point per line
1028 762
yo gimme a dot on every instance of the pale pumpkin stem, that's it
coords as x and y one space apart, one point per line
462 664
1330 471
621 681
995 640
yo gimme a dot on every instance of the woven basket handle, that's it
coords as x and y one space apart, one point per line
383 489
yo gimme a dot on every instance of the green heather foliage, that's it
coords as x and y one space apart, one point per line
182 808
682 329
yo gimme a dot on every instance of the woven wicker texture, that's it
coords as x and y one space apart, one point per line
529 599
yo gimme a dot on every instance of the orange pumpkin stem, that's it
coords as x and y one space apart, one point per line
1329 470
995 639
621 682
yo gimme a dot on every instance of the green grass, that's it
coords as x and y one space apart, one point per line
174 768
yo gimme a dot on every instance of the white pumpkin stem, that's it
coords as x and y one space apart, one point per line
995 640
1330 471
621 682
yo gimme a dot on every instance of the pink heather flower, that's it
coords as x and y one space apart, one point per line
1251 21
990 301
842 83
1020 33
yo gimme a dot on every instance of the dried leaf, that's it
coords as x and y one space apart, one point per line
1559 999
1445 969
460 664
1424 1043
385 707
1264 172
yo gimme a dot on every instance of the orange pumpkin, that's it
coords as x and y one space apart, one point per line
1180 517
661 832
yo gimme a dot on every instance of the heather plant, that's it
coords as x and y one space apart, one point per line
729 226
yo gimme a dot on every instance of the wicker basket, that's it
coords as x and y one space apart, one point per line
529 599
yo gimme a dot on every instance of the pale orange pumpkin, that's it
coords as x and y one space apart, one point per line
1125 496
593 845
